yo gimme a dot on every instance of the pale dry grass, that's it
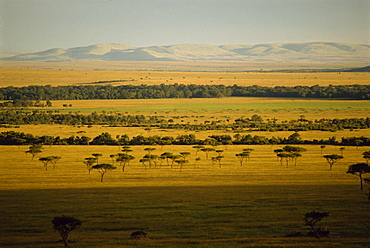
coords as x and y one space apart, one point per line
19 172
19 77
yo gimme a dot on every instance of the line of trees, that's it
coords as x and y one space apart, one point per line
254 123
20 138
360 92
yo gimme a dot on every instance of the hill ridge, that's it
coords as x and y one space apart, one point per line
275 52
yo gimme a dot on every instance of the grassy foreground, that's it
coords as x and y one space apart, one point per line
254 205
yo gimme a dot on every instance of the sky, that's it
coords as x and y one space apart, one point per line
37 25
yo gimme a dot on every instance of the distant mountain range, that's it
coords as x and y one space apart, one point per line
284 52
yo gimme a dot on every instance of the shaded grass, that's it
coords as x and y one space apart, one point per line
251 206
219 216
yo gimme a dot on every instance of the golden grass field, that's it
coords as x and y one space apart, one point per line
23 77
254 205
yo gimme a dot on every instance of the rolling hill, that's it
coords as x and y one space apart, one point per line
283 52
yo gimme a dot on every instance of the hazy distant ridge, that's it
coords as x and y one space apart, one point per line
284 52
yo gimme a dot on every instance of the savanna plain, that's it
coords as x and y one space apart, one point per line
205 203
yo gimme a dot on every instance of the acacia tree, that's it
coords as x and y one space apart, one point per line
341 149
359 169
181 162
311 218
102 169
198 148
143 161
366 156
196 160
89 162
54 160
64 225
124 159
167 156
332 159
277 151
97 155
219 152
151 159
242 156
173 158
218 158
322 148
284 155
113 157
207 150
149 149
45 161
294 152
184 154
126 149
34 149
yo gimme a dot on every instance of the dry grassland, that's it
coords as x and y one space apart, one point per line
234 107
20 77
197 66
204 205
254 205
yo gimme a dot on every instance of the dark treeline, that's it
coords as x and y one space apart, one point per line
359 92
254 123
20 138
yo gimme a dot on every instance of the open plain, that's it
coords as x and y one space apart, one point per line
207 203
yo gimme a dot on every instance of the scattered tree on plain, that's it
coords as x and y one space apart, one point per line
89 162
311 218
97 156
207 150
124 159
196 160
34 150
322 148
102 169
181 162
54 160
242 156
366 156
359 170
167 156
143 161
46 161
218 158
332 159
198 148
64 225
184 154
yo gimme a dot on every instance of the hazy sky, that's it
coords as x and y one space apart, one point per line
35 25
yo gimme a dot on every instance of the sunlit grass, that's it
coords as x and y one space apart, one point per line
203 206
23 77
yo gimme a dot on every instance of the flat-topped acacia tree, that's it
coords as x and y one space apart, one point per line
46 161
242 156
207 150
359 170
97 155
366 156
332 159
34 149
124 159
198 148
102 169
54 160
89 162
